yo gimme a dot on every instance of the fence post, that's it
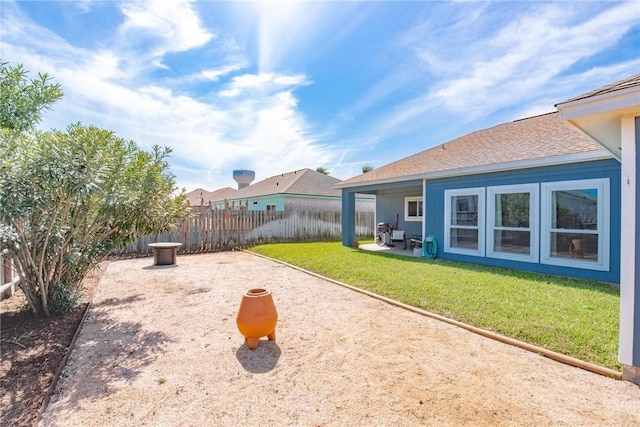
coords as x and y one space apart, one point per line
7 284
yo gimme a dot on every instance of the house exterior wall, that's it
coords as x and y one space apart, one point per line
435 212
296 203
309 204
391 204
261 203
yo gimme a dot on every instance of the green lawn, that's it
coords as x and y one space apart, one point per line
575 317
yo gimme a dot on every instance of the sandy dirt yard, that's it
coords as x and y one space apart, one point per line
160 347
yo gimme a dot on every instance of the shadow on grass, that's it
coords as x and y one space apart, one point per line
261 360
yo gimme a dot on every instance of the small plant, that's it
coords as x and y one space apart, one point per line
64 297
17 340
162 380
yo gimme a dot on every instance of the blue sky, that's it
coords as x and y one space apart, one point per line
276 87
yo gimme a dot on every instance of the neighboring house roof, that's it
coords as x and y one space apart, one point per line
529 142
626 83
201 197
300 182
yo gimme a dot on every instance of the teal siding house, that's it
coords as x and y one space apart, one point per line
534 194
304 190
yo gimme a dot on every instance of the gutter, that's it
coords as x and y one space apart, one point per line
476 170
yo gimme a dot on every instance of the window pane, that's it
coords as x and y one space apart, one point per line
464 238
512 210
572 245
512 241
575 209
412 208
464 210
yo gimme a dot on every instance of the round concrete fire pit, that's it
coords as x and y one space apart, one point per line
165 253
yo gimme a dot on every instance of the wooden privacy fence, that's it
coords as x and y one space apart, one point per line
8 279
218 230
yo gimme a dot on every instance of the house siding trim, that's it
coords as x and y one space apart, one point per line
602 185
629 350
449 227
534 222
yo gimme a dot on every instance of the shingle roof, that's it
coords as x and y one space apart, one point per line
200 197
303 181
626 83
528 139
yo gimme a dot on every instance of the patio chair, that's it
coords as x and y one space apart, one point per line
398 236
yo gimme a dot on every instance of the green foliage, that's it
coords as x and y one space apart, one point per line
575 317
513 210
24 100
322 170
63 297
69 198
367 168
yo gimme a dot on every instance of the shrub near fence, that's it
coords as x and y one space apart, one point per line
219 230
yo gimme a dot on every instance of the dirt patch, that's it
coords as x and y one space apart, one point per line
32 349
160 347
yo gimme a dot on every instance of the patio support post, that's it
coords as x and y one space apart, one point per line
348 218
629 354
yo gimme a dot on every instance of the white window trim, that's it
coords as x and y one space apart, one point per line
406 208
604 238
533 190
448 194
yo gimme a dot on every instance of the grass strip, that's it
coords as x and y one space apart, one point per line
579 318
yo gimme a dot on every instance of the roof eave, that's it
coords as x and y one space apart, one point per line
624 99
497 167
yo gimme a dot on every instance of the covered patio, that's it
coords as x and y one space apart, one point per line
392 249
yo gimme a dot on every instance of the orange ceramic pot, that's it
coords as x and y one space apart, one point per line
257 317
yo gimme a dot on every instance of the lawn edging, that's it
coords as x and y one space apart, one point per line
67 355
568 360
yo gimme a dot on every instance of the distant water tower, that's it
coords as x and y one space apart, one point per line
243 177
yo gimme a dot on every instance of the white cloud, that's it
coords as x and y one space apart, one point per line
466 61
174 24
281 28
214 74
476 65
524 55
262 82
287 30
262 129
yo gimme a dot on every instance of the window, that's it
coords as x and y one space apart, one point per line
575 227
512 225
413 209
271 208
464 221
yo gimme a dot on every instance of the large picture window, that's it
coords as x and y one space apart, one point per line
464 221
413 208
575 227
512 222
